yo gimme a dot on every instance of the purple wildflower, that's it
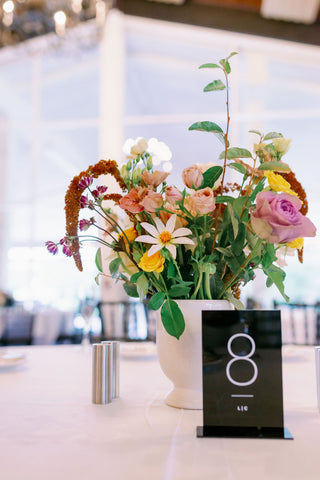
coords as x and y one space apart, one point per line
85 182
99 192
66 250
84 224
52 247
84 201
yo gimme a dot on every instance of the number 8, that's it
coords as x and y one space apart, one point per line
237 358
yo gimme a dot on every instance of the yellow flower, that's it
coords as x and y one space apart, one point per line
282 145
154 263
129 234
298 243
278 183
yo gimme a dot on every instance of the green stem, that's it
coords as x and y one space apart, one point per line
207 285
177 268
194 295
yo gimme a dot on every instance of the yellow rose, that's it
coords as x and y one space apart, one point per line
154 263
298 243
278 183
129 234
282 145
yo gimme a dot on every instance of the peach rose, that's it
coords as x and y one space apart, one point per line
154 179
173 195
192 176
152 201
202 201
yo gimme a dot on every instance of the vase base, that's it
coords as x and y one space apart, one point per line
184 398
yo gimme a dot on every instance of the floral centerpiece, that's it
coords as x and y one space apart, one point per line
202 242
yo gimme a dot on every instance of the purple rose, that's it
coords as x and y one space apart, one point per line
277 218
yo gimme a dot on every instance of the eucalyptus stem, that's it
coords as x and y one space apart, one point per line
224 162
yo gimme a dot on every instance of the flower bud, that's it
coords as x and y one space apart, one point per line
282 145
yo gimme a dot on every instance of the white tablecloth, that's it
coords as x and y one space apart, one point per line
49 429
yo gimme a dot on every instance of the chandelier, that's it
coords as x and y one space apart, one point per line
21 20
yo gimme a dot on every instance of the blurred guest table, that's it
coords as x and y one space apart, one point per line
50 429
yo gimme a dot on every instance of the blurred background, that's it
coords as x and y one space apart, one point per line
78 78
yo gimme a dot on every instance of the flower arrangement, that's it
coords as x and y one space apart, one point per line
202 242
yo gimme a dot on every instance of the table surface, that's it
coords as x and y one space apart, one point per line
51 430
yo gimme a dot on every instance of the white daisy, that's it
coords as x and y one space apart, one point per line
164 236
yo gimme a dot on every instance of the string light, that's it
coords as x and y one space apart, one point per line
24 19
60 19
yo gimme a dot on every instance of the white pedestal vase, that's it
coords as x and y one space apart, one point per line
181 360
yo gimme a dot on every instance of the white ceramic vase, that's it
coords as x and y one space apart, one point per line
181 360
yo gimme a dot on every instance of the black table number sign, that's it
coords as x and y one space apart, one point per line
242 374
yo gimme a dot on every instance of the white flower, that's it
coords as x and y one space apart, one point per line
159 151
164 236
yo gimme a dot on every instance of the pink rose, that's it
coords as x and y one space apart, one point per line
202 201
152 201
192 176
154 179
132 201
277 218
173 195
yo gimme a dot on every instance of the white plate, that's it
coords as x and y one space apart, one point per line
138 349
9 359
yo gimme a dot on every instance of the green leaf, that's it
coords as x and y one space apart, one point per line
156 300
171 270
209 65
227 67
237 166
142 286
206 126
255 131
238 205
277 276
234 220
225 251
277 166
236 152
210 176
238 243
271 135
96 279
232 54
269 255
131 290
215 85
98 260
135 277
179 290
258 188
269 282
172 318
235 302
114 266
224 199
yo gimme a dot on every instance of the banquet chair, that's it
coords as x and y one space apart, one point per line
126 321
17 326
300 323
